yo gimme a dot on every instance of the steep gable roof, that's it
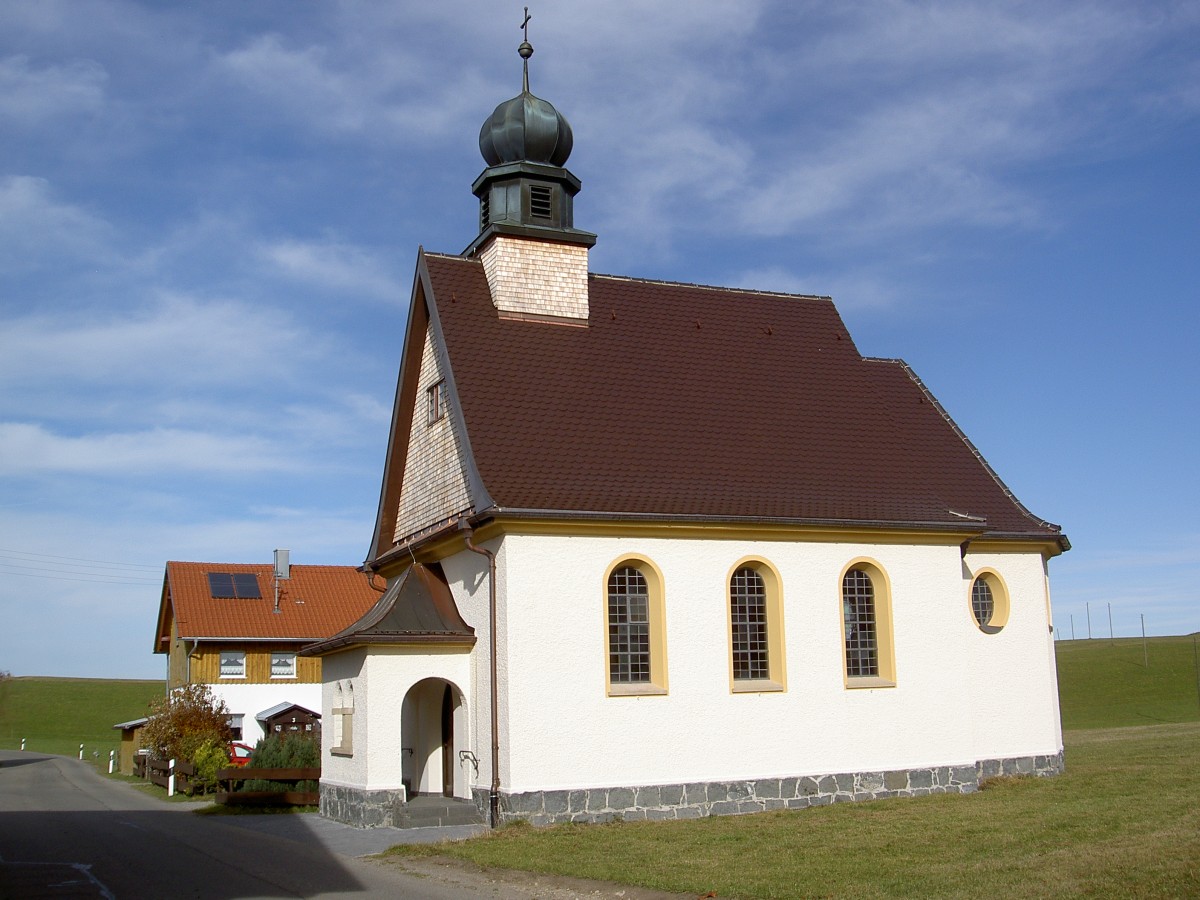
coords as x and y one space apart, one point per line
685 402
315 602
417 608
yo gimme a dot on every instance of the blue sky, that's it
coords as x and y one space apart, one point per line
209 215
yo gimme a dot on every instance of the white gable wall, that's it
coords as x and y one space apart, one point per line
961 695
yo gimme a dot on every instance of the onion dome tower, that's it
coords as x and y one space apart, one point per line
525 191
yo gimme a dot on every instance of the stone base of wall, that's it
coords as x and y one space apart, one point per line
718 798
362 809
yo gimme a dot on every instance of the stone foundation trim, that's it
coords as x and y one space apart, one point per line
358 807
720 798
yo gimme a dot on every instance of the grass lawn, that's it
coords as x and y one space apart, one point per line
56 715
1105 684
1123 821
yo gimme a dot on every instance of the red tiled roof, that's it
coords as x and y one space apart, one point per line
685 401
316 602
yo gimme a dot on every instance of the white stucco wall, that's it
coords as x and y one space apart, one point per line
379 682
960 695
248 700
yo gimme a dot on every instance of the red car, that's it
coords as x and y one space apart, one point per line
239 754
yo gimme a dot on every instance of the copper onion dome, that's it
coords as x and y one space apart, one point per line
526 128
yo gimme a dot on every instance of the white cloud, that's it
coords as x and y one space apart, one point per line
36 229
32 96
27 448
333 264
850 292
370 90
176 340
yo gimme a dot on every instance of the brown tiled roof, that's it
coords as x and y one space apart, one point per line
417 608
316 602
688 402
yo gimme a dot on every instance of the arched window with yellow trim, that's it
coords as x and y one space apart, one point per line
755 627
634 620
867 627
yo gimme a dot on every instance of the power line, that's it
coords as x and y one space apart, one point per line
85 580
30 557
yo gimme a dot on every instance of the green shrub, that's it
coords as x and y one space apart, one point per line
292 751
209 759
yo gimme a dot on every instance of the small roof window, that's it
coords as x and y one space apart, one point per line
236 584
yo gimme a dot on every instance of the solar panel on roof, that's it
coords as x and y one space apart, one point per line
220 584
245 584
238 584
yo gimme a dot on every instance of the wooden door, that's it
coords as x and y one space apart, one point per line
448 742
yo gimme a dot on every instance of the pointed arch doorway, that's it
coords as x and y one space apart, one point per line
433 729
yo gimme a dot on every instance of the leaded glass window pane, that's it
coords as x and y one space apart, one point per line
748 612
858 607
983 605
628 627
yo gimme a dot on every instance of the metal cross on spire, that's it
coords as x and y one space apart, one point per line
526 50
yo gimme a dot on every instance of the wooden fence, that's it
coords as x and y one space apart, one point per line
228 794
158 771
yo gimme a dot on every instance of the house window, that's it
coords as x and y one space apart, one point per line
233 664
756 627
283 665
989 602
867 627
436 397
235 725
634 629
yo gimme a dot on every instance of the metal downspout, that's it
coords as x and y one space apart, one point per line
494 795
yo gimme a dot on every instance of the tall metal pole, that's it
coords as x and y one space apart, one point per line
1145 652
1088 608
1110 631
1072 626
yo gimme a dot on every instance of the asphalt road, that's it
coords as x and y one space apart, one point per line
67 832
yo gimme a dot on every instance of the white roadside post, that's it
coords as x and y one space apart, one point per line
81 751
171 778
111 755
22 745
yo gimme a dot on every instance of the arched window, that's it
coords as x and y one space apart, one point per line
628 627
858 607
755 627
635 626
748 617
867 627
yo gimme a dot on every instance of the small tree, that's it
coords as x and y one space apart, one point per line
184 720
210 758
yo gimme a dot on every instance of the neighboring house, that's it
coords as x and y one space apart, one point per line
663 550
238 628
